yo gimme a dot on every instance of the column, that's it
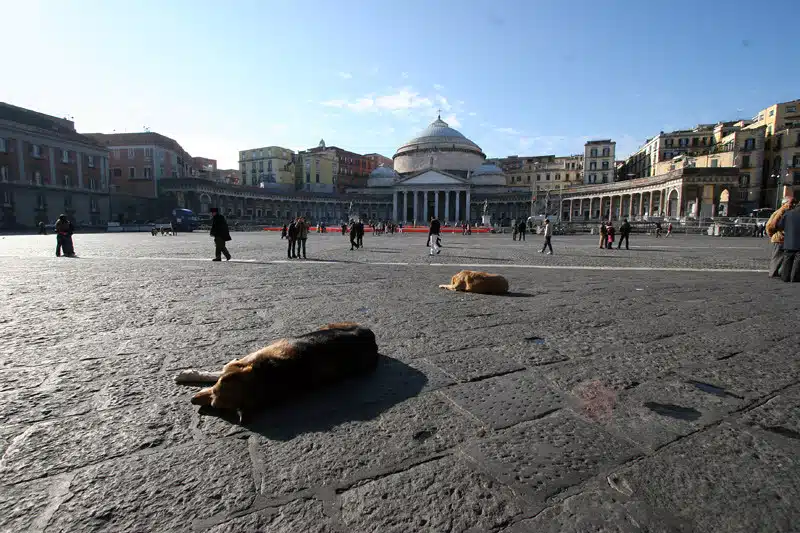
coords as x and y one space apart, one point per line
394 206
405 206
446 206
571 209
650 204
467 207
425 205
458 206
415 207
641 203
436 203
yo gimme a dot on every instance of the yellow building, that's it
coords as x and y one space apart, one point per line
781 168
317 170
268 167
545 171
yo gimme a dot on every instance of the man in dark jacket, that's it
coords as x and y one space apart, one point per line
221 234
360 234
790 224
521 229
434 232
291 236
624 233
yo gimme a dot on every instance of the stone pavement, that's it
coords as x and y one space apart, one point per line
651 390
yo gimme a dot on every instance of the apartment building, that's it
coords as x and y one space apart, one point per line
543 172
599 161
139 161
316 170
781 162
269 167
47 168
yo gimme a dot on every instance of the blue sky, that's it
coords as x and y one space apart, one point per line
517 77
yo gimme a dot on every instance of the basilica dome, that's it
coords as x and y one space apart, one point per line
382 177
438 147
488 174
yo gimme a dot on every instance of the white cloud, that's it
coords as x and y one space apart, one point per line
345 75
443 103
402 100
509 131
438 87
472 113
452 121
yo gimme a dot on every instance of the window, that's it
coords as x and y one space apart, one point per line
36 150
131 172
605 178
538 177
558 177
308 176
791 109
131 153
593 152
65 156
593 165
67 181
606 152
148 173
116 172
746 161
8 199
115 154
253 154
161 170
37 178
683 142
90 161
796 161
547 177
92 184
3 173
317 177
3 145
148 153
260 166
529 179
695 141
744 180
669 142
269 165
749 144
566 177
605 165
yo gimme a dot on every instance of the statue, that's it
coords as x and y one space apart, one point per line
485 207
350 208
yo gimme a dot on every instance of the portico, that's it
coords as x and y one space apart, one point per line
431 193
693 192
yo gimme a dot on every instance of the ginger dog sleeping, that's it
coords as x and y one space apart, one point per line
479 282
287 367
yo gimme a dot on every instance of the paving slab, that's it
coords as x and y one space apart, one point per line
652 388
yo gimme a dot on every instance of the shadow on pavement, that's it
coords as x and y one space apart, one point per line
358 399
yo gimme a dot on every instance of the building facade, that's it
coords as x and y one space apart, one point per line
139 161
269 167
599 161
47 168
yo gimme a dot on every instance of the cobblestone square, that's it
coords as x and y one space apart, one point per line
654 389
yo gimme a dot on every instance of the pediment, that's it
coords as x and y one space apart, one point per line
432 177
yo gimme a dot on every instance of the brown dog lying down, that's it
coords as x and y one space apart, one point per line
479 282
287 367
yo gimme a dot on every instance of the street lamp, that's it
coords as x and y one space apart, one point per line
778 183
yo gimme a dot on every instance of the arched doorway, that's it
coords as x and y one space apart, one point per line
672 203
722 206
205 203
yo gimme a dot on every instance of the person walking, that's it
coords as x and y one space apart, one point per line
42 228
434 231
354 235
776 235
291 236
611 234
64 232
360 234
514 229
624 233
603 235
283 231
521 230
669 230
548 233
302 236
221 234
790 224
658 229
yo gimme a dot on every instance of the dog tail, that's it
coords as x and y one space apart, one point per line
196 376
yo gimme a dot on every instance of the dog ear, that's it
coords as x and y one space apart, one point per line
203 397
